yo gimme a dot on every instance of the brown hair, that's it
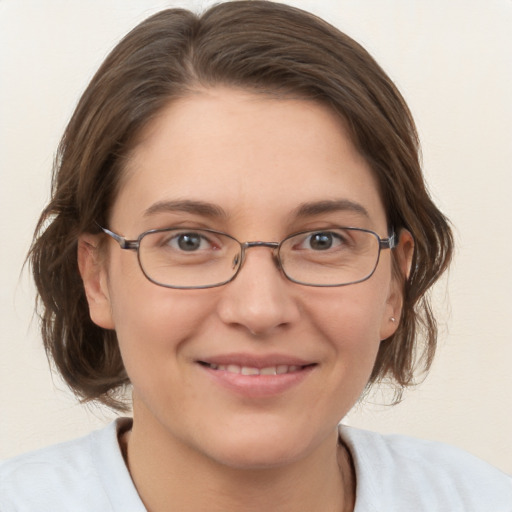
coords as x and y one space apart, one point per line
257 45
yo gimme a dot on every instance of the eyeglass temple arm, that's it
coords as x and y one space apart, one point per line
121 240
389 243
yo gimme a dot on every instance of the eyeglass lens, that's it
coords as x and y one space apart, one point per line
185 258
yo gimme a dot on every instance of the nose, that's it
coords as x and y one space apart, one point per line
260 299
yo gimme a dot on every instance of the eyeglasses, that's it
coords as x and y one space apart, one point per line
190 258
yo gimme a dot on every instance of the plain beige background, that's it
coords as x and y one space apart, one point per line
453 62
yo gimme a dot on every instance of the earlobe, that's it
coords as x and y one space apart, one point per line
389 323
403 255
94 276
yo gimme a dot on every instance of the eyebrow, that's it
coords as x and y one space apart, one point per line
188 206
309 209
313 208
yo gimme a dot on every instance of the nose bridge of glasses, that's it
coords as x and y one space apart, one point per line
271 245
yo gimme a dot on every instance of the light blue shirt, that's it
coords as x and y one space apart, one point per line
393 474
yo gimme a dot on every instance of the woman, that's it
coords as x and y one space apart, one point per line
239 230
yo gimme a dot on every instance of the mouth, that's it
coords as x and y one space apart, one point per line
257 378
279 369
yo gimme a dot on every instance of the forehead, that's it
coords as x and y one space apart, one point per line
250 155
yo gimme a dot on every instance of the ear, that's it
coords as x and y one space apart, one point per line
94 276
401 268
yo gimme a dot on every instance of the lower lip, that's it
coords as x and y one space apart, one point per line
256 386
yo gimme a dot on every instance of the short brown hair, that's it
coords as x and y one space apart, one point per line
257 45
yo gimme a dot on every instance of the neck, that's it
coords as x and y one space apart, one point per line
165 471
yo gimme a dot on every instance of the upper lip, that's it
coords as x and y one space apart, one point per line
255 361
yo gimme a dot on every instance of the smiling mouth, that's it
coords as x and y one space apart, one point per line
280 369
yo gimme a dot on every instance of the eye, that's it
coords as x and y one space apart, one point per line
189 242
322 241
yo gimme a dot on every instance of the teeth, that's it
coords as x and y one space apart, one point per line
247 370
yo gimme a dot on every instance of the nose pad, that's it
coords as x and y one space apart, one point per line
277 261
236 260
275 257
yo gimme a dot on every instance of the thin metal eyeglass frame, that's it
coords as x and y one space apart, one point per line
134 245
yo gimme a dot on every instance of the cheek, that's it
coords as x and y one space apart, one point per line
154 329
152 322
346 324
158 320
350 319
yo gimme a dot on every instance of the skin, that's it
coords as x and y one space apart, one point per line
194 442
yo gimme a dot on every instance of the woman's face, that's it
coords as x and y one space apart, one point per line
256 161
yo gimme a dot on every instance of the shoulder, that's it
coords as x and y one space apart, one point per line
424 475
67 476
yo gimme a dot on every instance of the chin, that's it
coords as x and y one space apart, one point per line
255 457
260 448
